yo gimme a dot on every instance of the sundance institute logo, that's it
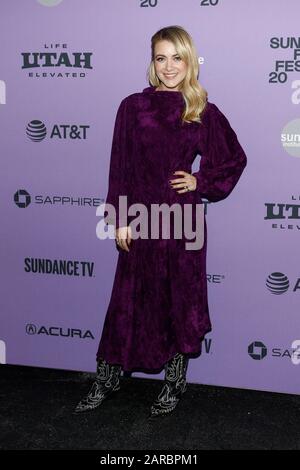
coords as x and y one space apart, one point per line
290 138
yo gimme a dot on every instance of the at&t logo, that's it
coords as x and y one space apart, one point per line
36 131
278 283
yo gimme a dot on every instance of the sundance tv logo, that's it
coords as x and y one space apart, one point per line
36 131
64 332
60 267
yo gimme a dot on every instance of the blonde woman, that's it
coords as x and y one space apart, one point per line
158 312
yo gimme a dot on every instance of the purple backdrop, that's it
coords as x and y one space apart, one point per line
54 175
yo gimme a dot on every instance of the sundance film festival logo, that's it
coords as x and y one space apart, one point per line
64 332
57 61
278 283
288 64
2 92
36 131
23 199
258 351
284 216
178 221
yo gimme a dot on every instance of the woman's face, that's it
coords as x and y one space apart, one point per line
169 67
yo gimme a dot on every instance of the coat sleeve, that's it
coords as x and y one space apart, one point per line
222 159
119 169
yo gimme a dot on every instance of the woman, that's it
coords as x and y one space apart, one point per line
158 313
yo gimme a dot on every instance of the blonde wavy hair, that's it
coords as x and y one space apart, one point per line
195 96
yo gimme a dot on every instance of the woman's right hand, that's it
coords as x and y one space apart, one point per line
123 237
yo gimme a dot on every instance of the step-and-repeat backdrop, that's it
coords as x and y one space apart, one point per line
65 67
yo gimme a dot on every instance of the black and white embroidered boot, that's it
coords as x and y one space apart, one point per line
106 382
174 386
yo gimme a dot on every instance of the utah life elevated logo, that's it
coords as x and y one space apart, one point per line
284 215
55 61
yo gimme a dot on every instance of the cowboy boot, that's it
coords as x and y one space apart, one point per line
174 386
106 382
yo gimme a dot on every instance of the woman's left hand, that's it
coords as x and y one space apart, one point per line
187 182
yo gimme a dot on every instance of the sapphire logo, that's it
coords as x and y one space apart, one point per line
22 198
277 283
257 350
36 130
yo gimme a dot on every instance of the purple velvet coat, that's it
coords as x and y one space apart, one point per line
158 304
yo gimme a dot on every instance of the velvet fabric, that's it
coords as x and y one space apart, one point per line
159 305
